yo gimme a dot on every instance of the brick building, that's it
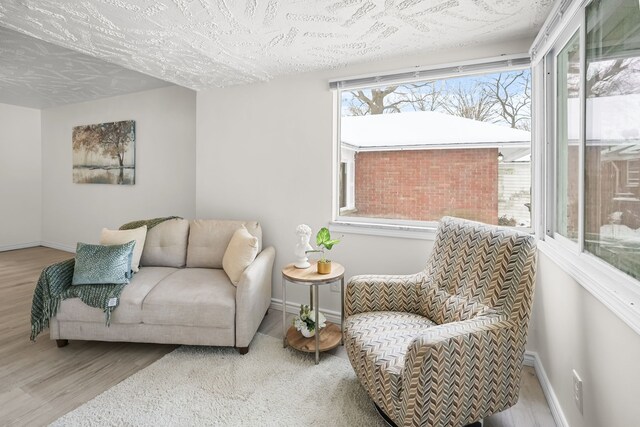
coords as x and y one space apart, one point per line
612 181
424 165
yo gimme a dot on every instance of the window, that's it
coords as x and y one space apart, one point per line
414 151
612 206
633 173
597 134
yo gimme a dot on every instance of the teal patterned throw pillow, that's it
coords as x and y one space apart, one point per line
103 265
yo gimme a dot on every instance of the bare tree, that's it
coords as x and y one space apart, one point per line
375 101
472 102
609 78
427 96
506 97
512 95
109 139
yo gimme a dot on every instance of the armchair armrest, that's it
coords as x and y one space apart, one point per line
459 372
382 293
253 296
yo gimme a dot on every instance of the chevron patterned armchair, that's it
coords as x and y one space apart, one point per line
444 347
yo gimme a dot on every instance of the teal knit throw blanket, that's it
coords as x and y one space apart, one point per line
150 223
54 286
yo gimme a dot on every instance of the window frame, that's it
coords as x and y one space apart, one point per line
414 228
635 181
615 289
551 91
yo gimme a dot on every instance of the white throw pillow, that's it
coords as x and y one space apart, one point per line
119 237
240 253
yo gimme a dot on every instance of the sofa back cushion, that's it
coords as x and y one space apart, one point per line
209 238
166 244
119 237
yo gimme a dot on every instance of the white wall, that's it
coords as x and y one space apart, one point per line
573 330
20 178
165 165
265 153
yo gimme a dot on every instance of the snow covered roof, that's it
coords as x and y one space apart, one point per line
426 129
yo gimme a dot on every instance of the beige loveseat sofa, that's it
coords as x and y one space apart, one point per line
181 295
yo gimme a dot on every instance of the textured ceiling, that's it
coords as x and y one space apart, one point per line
37 74
211 43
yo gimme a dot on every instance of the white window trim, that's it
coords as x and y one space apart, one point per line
386 230
617 291
436 71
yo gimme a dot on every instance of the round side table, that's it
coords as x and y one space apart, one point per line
330 336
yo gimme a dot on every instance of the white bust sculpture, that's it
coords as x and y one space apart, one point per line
303 232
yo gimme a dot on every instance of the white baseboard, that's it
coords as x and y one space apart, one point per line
4 248
294 308
531 358
59 246
51 245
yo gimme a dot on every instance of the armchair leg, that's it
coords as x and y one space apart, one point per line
390 423
384 416
62 343
243 350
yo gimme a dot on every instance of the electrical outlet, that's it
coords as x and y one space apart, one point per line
577 390
335 288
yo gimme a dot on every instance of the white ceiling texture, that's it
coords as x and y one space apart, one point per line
201 44
38 74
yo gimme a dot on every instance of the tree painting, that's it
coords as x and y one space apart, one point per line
104 153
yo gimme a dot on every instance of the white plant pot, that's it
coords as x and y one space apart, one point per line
306 332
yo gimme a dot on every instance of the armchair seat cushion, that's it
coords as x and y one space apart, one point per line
376 343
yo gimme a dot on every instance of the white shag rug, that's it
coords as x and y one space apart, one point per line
269 386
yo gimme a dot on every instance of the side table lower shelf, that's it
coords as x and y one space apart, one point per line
330 337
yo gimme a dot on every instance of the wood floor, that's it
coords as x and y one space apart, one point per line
40 382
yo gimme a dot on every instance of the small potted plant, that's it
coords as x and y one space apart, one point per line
305 322
324 242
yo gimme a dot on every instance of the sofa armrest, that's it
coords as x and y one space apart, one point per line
382 293
253 296
460 372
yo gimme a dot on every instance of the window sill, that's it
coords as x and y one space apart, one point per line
617 291
386 230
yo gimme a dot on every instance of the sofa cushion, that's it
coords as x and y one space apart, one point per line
166 244
209 238
118 237
129 309
443 307
192 297
102 265
240 253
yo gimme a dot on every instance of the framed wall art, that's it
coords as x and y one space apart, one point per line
104 153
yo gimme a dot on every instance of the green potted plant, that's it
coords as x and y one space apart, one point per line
324 242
